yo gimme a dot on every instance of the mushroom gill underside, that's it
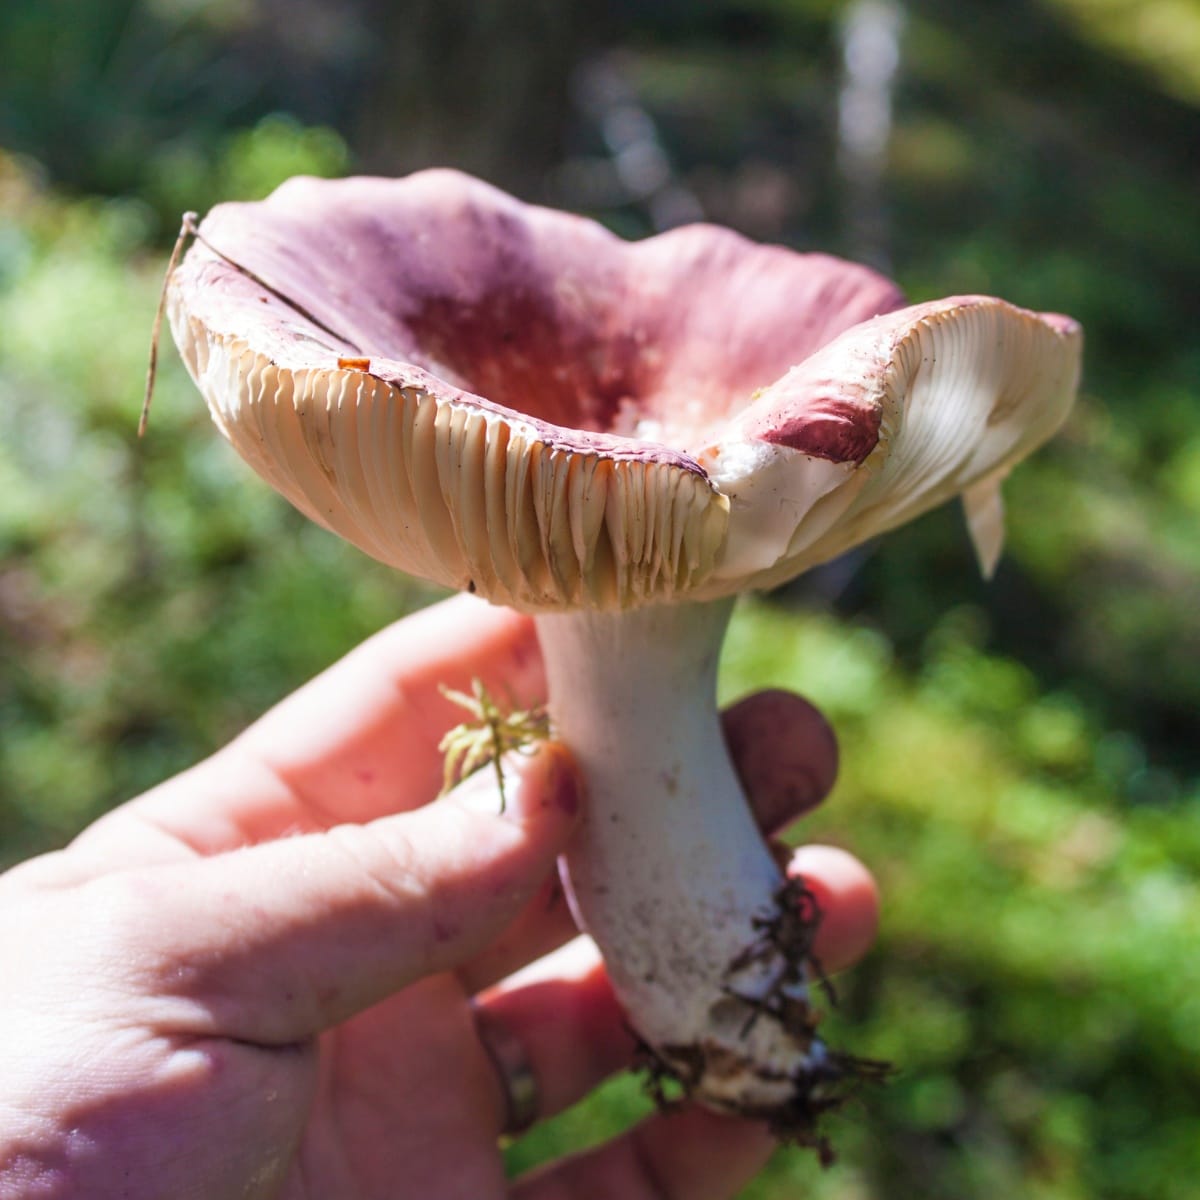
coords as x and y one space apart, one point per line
450 486
494 395
474 500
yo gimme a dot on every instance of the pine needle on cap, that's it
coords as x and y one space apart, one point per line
187 229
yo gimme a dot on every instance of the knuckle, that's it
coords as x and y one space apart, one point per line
384 865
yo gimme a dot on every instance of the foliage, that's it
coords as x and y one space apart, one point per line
1020 763
493 730
153 597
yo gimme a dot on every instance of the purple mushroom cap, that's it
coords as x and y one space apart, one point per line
514 401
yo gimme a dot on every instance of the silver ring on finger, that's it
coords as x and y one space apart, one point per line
518 1084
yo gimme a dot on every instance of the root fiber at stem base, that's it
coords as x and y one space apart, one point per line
675 1073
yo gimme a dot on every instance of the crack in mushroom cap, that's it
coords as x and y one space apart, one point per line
554 417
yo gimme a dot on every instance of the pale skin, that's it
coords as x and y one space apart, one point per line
261 979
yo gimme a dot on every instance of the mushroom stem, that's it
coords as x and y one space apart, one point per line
669 873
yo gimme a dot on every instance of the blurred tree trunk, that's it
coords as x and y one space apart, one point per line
484 87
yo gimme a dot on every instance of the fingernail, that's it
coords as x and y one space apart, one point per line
563 785
547 782
480 792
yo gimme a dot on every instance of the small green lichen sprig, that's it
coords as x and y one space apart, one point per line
490 733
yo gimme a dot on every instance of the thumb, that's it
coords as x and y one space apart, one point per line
283 940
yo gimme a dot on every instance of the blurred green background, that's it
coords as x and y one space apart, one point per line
1021 760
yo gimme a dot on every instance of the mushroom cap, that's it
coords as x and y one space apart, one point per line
510 400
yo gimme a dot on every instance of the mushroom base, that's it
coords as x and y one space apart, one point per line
675 1072
707 945
794 1121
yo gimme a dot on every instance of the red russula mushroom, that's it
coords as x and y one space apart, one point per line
618 437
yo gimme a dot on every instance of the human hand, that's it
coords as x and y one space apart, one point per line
287 972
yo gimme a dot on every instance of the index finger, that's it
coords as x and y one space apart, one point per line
366 731
357 742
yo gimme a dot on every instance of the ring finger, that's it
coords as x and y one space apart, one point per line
553 1033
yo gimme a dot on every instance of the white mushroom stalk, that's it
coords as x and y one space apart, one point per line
618 438
669 872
